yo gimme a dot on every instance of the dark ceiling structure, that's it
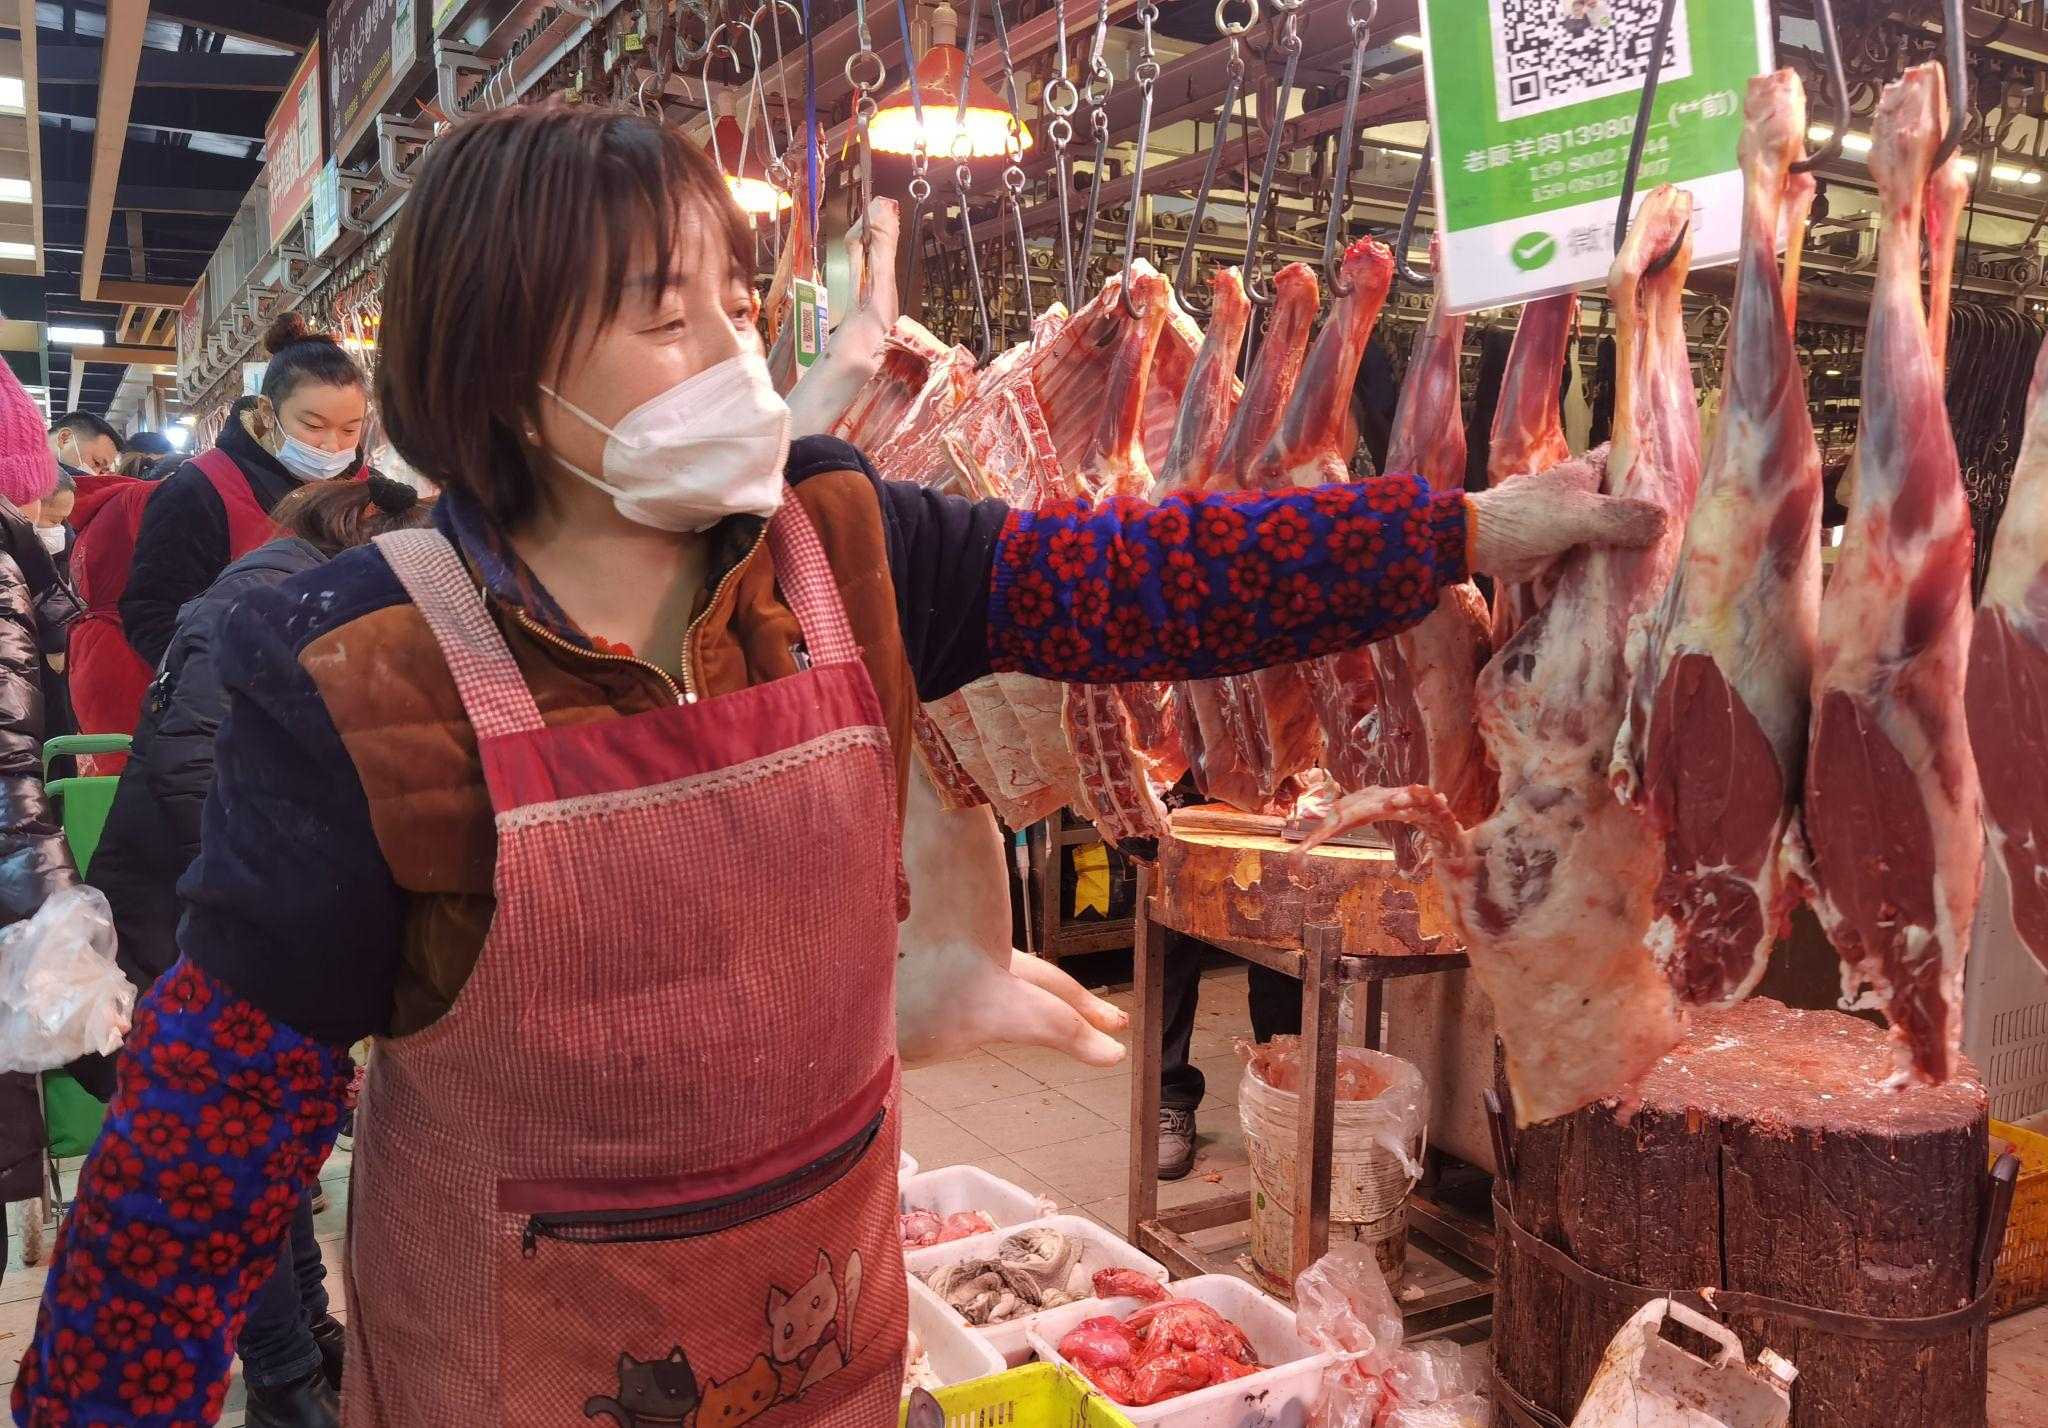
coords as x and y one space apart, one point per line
209 75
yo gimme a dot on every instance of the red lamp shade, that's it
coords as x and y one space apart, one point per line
894 129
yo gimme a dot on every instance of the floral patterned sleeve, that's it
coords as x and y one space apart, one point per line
220 1125
1218 583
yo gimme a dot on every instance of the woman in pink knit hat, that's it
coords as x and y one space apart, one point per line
36 609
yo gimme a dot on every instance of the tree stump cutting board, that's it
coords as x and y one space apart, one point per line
1764 1154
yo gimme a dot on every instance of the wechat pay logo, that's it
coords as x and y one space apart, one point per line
1532 250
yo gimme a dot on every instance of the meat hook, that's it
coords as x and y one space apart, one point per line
1059 99
1234 32
1838 80
1146 73
1957 37
1407 234
1096 89
1288 17
1340 193
1013 171
1654 70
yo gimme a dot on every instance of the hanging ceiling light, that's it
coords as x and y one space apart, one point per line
743 164
894 129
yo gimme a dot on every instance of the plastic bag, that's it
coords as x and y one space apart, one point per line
61 994
1343 1307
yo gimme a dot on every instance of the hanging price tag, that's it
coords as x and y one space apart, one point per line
811 304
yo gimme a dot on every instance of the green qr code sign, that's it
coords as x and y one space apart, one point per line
1533 106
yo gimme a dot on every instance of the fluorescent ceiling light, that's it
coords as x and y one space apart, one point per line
79 336
1409 42
15 190
17 250
12 94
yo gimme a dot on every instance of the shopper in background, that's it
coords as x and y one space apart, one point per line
290 1346
106 676
585 803
53 525
84 444
304 426
34 861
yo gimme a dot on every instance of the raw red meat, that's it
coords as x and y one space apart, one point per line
921 1228
1552 893
1127 1284
1892 800
1418 687
1528 431
1240 756
1162 1351
1715 743
2008 683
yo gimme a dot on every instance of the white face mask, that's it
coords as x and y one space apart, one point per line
709 447
310 463
52 538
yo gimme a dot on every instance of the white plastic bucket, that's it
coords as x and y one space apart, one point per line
1375 1160
1286 1391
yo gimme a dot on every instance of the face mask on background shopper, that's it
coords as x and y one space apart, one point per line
311 463
709 447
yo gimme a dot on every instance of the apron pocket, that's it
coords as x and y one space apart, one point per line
782 1302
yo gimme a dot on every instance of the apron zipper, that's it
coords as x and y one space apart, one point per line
702 1217
686 692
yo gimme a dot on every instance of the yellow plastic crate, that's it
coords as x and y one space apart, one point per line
2023 1264
1035 1396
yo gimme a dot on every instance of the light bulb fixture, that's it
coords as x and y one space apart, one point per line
894 129
744 165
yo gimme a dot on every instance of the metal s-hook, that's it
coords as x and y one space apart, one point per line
1660 40
1096 89
1406 236
1288 17
1957 37
1060 99
1013 170
1146 73
1838 81
1233 83
1340 190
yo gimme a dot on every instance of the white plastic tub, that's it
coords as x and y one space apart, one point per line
906 1169
1099 1250
1287 1391
958 1355
953 1189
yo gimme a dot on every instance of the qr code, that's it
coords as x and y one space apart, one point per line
1549 53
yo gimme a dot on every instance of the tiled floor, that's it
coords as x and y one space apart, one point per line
1059 1129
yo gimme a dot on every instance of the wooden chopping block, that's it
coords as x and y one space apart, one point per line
1764 1155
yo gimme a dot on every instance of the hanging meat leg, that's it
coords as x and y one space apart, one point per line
1552 893
1528 431
1715 745
1419 685
2008 683
1892 802
1232 736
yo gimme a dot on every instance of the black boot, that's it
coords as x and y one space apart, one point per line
331 1337
309 1403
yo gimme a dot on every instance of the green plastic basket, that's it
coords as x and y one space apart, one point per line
83 802
1035 1396
71 1115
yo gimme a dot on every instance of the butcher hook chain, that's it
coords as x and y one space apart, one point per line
963 181
1060 99
1340 193
1013 171
920 187
1146 73
865 73
1096 90
1234 32
1288 17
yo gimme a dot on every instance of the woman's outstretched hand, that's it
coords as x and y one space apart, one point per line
1518 528
854 353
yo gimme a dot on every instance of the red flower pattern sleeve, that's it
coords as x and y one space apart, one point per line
1219 583
221 1122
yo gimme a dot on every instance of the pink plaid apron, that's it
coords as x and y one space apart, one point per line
645 1166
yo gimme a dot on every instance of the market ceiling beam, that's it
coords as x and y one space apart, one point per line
121 56
149 294
146 356
172 69
247 19
21 148
154 198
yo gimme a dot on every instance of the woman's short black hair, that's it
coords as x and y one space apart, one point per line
299 355
521 227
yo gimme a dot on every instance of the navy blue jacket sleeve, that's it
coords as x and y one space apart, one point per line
289 861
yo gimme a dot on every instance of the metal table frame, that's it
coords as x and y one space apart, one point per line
1326 974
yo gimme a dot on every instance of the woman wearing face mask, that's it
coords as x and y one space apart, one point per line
216 508
584 803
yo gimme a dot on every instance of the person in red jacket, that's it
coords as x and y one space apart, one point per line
107 677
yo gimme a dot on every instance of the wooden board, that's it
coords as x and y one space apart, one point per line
1231 886
1764 1154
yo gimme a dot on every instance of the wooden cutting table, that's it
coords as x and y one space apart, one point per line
1340 920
